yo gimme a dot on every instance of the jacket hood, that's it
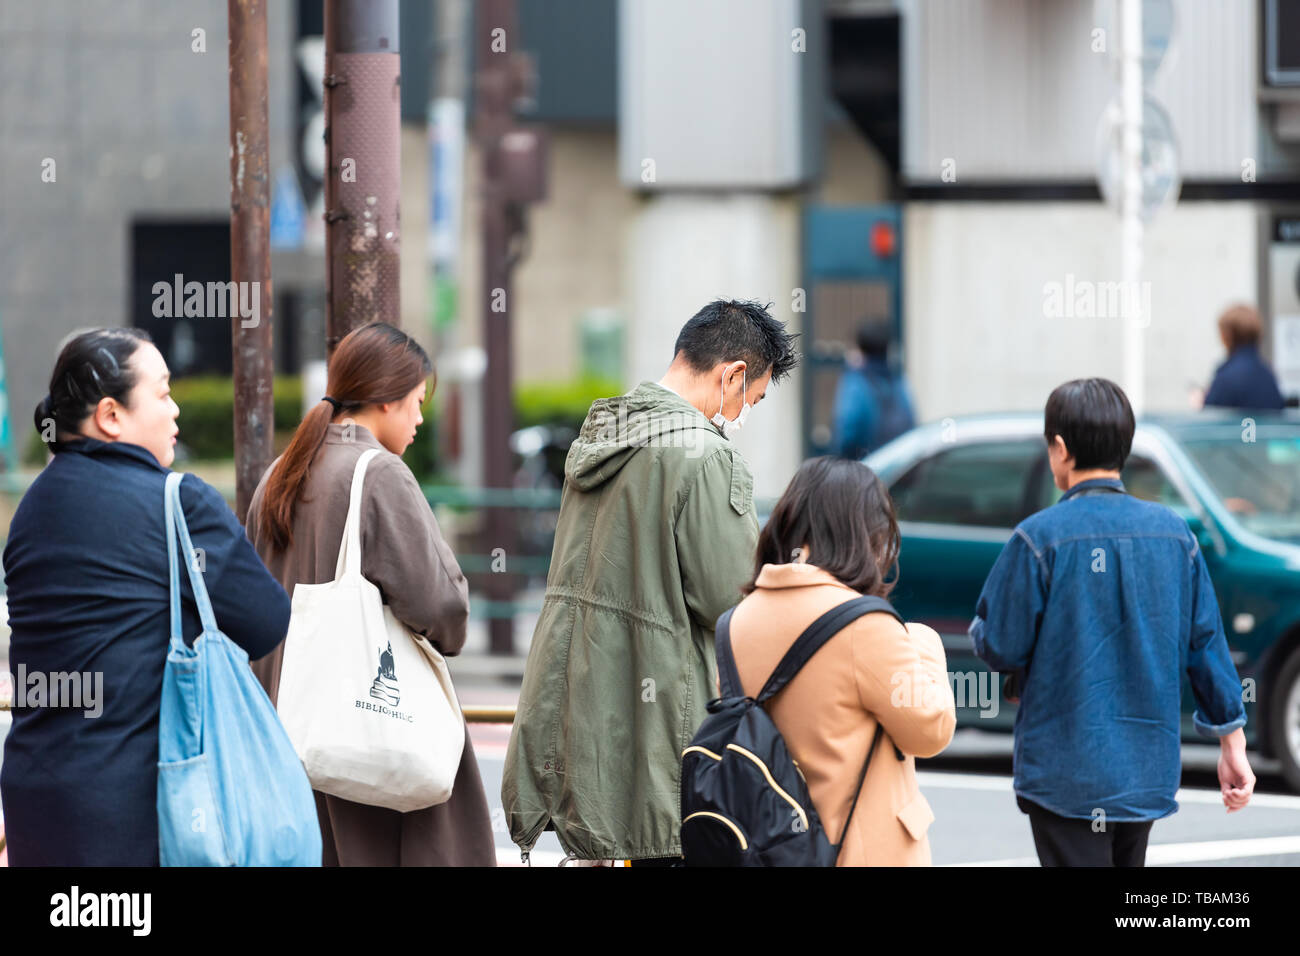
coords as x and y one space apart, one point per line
649 416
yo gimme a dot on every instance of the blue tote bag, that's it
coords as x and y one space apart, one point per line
231 790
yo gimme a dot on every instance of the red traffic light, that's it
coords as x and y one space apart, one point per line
884 241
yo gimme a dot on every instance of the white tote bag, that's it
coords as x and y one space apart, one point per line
368 705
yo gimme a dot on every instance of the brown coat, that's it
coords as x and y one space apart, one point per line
403 552
872 669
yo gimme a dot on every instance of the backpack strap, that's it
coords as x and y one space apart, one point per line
814 636
728 676
862 778
805 646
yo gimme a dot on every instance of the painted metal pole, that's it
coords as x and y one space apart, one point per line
250 247
362 165
495 31
1131 227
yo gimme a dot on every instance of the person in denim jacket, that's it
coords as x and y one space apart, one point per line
1098 606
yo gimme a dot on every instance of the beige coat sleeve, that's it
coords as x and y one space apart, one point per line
902 680
404 554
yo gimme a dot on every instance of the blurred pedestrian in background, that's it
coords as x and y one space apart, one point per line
378 377
89 607
872 402
1097 607
831 538
1245 379
655 538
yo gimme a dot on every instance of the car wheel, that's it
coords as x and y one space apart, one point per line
1284 720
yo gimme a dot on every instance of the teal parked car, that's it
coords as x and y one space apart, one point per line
961 485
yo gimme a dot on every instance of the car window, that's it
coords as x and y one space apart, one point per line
1142 478
982 484
1257 480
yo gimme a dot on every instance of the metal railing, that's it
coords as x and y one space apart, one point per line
530 558
474 714
477 714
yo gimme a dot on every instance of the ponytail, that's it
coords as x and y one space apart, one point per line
284 484
374 364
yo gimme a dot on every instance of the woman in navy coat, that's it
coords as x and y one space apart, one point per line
86 569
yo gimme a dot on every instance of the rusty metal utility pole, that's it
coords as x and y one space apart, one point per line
492 118
363 165
250 249
513 175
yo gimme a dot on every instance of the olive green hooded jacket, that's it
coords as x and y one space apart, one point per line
656 536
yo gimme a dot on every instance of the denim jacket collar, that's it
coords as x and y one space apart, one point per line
1112 483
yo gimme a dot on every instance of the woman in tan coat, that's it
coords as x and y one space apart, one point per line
377 381
831 538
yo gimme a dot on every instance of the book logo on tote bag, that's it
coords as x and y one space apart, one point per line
384 688
385 685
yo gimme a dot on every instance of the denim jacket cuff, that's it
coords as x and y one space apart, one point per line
1216 730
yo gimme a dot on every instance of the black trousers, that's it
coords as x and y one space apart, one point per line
1065 841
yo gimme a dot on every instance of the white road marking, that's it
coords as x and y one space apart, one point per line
1158 854
1167 854
960 781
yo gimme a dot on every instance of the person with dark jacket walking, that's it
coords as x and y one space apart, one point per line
1097 607
873 405
1244 380
88 582
655 539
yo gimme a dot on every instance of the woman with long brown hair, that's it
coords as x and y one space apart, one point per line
377 382
831 538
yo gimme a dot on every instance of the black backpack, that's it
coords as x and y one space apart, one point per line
744 800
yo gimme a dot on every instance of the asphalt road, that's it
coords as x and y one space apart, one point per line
976 818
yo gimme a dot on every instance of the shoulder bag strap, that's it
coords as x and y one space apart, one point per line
349 561
173 567
175 521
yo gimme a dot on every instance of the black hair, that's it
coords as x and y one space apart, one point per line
729 330
90 367
873 337
1094 419
843 513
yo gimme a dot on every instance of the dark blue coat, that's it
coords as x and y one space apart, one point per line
1244 381
86 569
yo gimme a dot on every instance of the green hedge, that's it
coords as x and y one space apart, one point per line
207 406
560 403
207 417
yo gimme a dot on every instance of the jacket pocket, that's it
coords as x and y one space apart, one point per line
916 816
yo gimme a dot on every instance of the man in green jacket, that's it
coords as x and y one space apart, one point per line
656 536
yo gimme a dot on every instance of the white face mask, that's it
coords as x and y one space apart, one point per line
730 428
